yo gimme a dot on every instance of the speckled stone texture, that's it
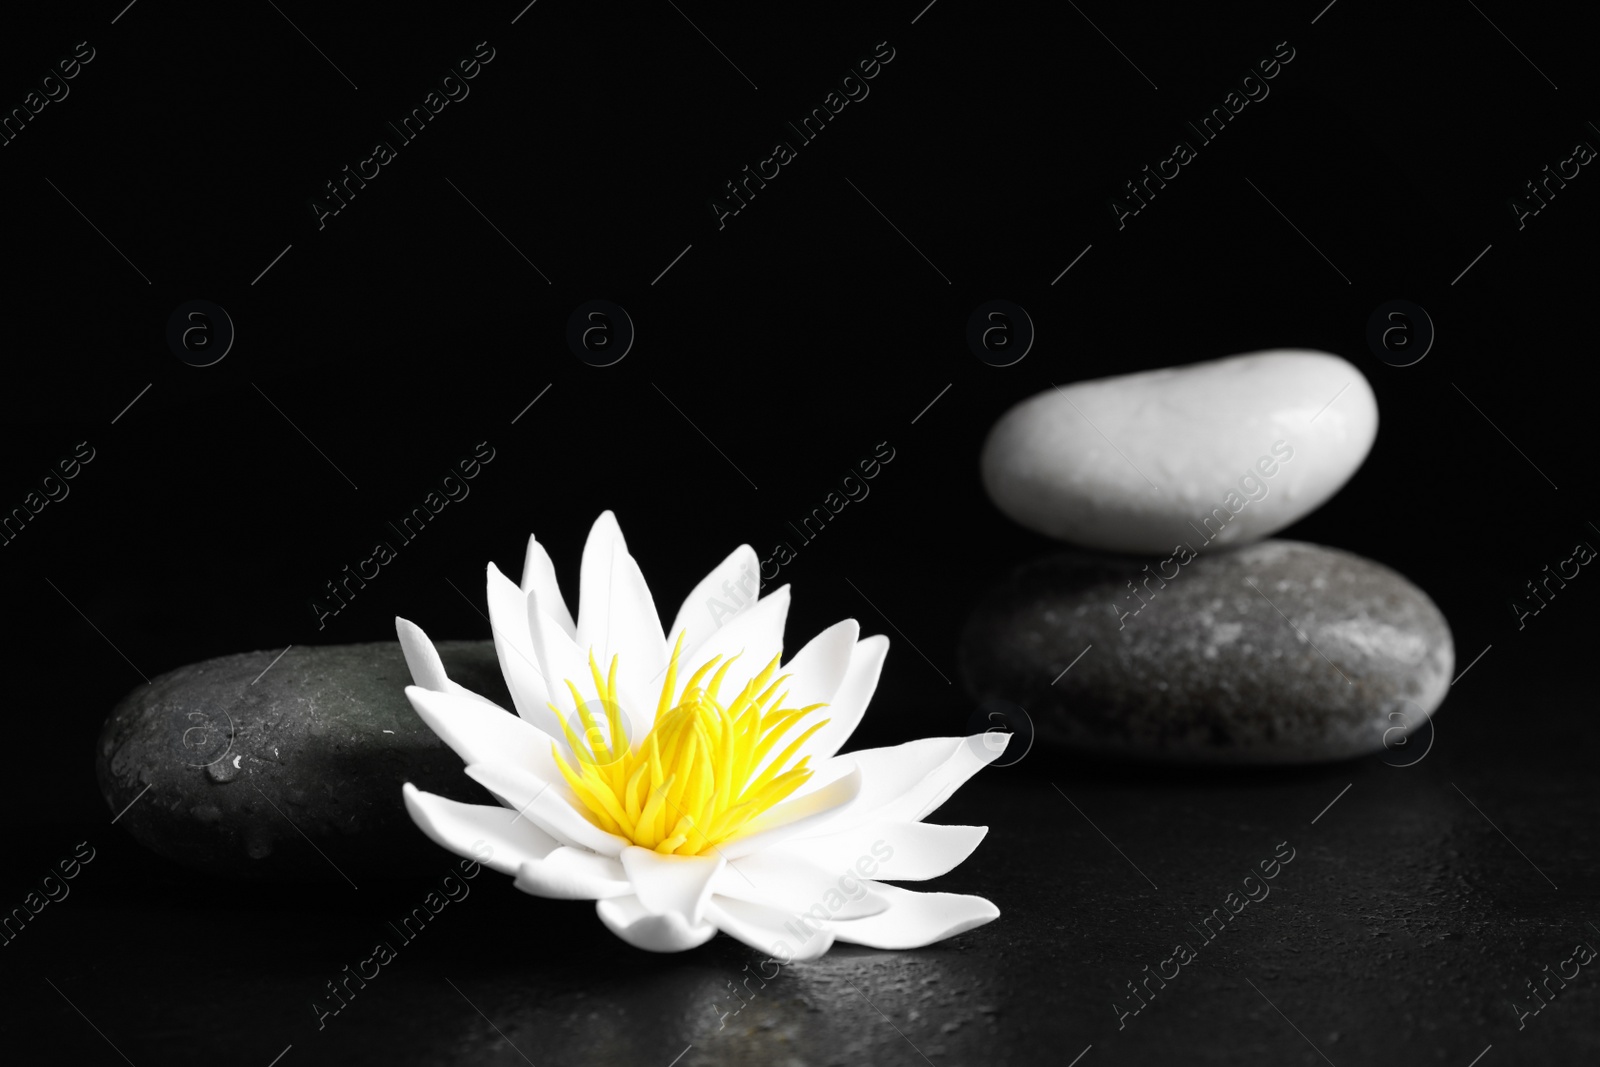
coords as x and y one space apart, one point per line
250 774
1279 652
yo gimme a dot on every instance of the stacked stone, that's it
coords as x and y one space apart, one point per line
1181 631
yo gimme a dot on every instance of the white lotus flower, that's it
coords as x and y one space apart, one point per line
684 806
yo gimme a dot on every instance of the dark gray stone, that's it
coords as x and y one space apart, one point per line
1329 656
250 774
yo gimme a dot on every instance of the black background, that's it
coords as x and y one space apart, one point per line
796 338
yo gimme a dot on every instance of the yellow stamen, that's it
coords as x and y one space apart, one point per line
702 773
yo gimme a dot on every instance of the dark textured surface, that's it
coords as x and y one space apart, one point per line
1400 933
243 756
1278 652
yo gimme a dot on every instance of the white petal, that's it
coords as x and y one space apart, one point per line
490 834
767 930
663 884
479 732
906 783
849 700
456 689
887 851
815 674
550 805
633 634
669 932
427 670
559 659
757 634
797 815
889 773
513 646
422 659
710 606
794 885
539 576
594 581
971 755
817 669
916 919
573 874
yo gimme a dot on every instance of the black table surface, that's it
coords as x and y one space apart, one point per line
1418 902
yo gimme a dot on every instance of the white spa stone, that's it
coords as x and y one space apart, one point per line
1139 463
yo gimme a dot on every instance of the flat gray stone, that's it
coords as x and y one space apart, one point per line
246 774
1327 656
